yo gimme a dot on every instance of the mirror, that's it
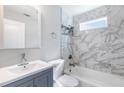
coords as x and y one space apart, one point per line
20 27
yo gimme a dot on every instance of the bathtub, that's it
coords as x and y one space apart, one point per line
92 78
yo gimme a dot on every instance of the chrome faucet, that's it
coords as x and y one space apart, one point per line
23 57
24 63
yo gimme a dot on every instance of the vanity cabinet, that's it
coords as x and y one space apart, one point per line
40 79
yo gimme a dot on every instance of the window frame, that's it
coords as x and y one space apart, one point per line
94 24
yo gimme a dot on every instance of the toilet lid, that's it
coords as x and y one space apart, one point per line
68 81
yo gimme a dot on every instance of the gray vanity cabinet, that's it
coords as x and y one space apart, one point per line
40 79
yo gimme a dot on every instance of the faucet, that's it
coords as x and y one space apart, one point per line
72 64
24 63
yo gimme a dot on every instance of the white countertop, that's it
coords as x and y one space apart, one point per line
7 76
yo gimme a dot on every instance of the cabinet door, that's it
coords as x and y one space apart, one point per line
45 79
27 84
41 81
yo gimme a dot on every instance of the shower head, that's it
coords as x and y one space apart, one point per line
67 29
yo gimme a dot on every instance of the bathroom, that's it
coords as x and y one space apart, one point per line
61 46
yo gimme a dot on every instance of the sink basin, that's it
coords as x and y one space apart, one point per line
28 68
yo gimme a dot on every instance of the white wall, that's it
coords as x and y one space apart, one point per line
51 23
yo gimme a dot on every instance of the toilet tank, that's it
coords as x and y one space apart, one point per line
58 68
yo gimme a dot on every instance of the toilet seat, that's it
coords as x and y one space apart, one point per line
68 81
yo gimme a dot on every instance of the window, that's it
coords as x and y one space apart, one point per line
94 24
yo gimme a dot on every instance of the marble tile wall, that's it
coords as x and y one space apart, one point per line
101 49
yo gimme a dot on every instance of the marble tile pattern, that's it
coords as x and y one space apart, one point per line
101 49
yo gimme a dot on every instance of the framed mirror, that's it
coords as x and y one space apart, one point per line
21 28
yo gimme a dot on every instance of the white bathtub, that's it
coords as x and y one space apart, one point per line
92 78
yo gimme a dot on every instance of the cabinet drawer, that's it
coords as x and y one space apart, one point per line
41 81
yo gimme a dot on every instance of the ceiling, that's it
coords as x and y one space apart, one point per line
73 10
22 10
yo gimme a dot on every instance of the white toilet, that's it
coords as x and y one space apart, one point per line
60 79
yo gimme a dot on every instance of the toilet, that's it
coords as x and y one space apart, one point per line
60 79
